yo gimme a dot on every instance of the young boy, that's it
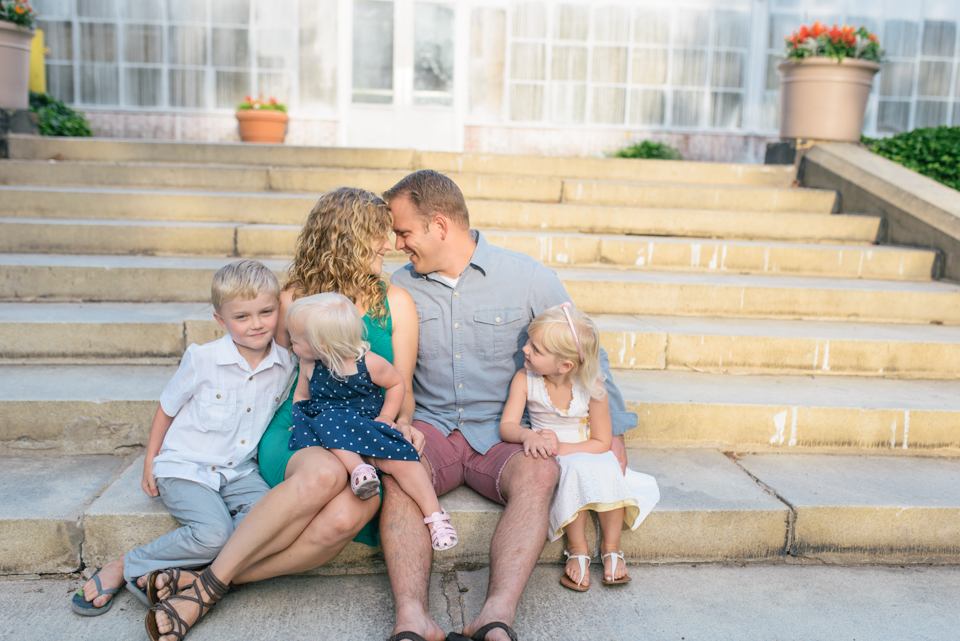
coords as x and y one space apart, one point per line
199 457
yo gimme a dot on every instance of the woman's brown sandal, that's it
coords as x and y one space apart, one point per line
173 578
213 588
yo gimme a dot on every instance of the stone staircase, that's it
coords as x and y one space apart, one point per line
797 386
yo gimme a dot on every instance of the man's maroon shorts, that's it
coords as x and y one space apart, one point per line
455 463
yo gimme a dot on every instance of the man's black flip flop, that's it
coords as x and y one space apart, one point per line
411 636
480 634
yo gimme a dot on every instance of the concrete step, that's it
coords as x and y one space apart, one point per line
699 489
291 209
158 333
694 196
786 413
259 179
597 291
42 501
842 508
95 409
23 235
113 150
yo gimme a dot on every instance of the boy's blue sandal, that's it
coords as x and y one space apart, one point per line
481 634
140 593
86 608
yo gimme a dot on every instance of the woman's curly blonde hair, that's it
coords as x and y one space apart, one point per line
337 245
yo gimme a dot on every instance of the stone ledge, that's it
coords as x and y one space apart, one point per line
917 210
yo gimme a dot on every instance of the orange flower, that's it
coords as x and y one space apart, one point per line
804 33
873 38
817 29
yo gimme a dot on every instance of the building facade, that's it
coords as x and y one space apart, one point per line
560 77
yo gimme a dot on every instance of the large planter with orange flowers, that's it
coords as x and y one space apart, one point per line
14 65
262 125
823 99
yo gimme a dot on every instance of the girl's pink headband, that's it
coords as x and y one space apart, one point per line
573 330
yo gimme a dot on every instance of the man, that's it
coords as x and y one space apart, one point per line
474 302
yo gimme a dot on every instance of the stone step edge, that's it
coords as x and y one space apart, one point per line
631 346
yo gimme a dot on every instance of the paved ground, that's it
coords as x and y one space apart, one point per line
765 602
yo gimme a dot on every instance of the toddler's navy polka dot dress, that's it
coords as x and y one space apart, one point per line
339 416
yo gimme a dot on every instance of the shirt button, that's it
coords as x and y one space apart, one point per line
460 423
231 463
248 409
243 441
459 385
456 325
277 399
498 320
460 410
458 355
218 396
456 294
213 468
251 378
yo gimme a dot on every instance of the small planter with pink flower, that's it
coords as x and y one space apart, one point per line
263 121
825 82
17 22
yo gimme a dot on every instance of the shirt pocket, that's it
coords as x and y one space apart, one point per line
496 332
429 345
217 410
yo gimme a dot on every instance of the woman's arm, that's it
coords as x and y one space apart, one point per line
385 375
510 429
601 430
283 336
406 333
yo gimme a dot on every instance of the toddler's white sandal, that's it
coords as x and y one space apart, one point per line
567 582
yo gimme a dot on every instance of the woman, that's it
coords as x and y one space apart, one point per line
311 514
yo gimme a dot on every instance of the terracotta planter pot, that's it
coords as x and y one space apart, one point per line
823 99
14 66
262 125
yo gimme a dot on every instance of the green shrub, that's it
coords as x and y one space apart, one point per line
933 152
650 150
57 119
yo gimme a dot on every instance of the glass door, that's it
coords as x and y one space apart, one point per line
403 76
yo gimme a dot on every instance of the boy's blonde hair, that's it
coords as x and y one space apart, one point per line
553 331
332 326
243 279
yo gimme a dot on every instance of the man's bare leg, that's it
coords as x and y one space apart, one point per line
408 554
527 484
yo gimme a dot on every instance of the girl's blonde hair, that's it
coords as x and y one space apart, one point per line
553 331
336 246
332 326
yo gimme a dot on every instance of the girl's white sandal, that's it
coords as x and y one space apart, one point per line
625 578
442 535
567 582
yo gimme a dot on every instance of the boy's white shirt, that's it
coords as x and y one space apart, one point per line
214 435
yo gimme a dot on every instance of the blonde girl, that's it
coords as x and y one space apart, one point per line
561 387
338 405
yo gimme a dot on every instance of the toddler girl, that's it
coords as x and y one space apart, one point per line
561 387
338 405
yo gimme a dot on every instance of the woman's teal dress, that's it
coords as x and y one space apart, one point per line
273 452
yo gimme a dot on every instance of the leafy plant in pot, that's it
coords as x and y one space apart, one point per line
262 121
17 22
825 81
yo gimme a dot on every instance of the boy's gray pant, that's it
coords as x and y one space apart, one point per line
208 517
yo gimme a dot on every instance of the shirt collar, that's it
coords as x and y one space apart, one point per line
481 255
228 354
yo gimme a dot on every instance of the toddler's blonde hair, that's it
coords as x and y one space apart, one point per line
243 279
332 326
553 331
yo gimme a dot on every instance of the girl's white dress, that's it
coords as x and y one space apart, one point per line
587 481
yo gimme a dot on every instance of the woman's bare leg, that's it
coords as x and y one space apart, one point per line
326 536
314 477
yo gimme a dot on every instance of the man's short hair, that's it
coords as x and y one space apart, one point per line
432 193
244 279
